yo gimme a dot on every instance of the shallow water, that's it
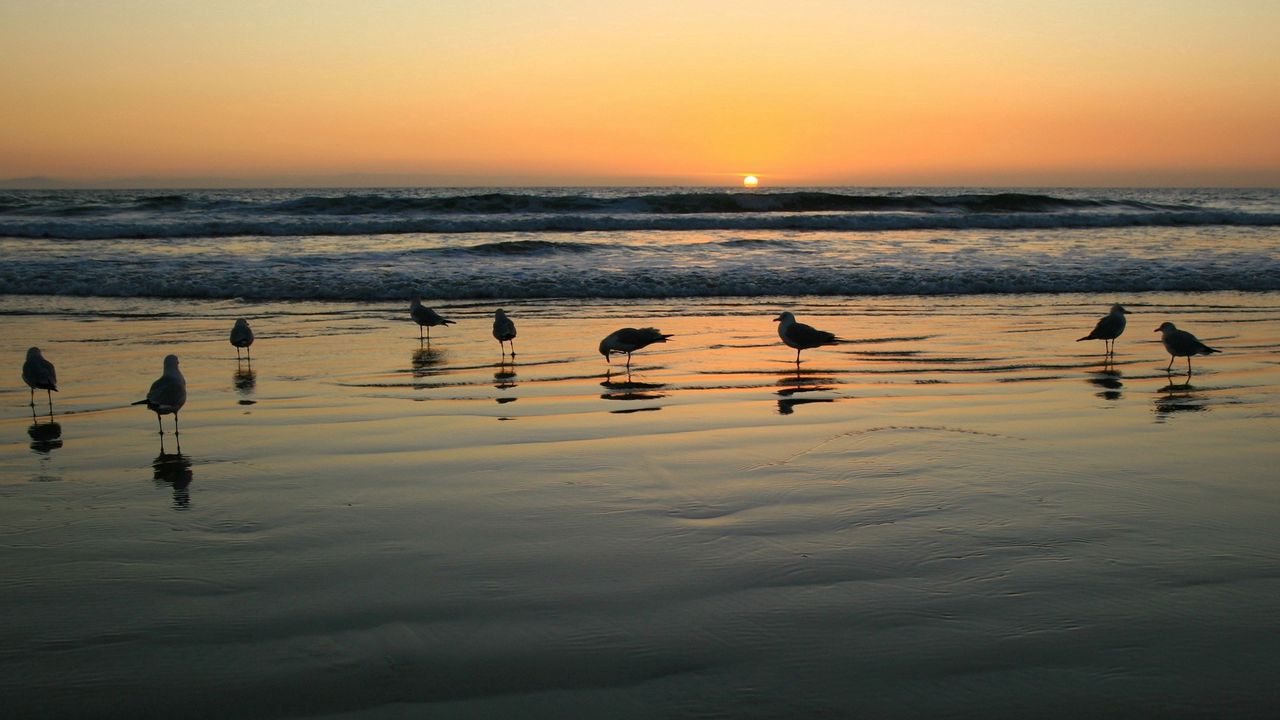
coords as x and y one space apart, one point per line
959 512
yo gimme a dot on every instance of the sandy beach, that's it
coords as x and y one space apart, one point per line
959 510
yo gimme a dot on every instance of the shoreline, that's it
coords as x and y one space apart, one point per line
961 512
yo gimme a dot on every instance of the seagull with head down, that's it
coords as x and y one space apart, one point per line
628 340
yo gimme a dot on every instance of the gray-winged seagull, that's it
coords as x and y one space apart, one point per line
628 340
1108 329
1181 343
425 317
241 336
801 336
504 331
167 394
39 374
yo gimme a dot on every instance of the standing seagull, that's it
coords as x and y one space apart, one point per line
242 337
1108 329
628 340
167 394
39 374
1180 343
504 330
425 317
801 336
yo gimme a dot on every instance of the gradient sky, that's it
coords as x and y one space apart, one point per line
1001 92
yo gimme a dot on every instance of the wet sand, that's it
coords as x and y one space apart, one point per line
958 512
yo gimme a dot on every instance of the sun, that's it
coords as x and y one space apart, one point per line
750 181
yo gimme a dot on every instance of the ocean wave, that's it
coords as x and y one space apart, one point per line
559 277
105 215
836 222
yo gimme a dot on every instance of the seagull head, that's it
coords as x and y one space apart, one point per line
785 317
1165 327
1118 309
33 353
170 363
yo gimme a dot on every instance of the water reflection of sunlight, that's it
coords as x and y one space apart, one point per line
174 470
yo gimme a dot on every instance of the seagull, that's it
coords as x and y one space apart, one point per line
504 331
801 336
39 374
241 336
167 394
1180 343
628 340
425 317
1108 329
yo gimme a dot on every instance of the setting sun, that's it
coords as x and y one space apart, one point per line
750 181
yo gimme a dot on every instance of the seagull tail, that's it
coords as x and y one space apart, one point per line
1086 337
140 402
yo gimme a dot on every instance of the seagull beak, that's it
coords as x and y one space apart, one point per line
778 319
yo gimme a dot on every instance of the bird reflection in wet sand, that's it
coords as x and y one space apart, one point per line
505 377
424 359
245 380
45 437
629 390
1108 379
790 386
1179 397
174 470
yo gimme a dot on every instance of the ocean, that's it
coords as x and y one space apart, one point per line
452 244
957 511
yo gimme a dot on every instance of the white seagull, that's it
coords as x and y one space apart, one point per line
1180 343
1108 329
628 340
425 317
241 336
39 374
801 336
167 394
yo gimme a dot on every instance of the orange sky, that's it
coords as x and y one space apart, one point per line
565 91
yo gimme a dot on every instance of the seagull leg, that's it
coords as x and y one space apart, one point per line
161 426
1171 359
175 423
33 397
50 394
513 347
